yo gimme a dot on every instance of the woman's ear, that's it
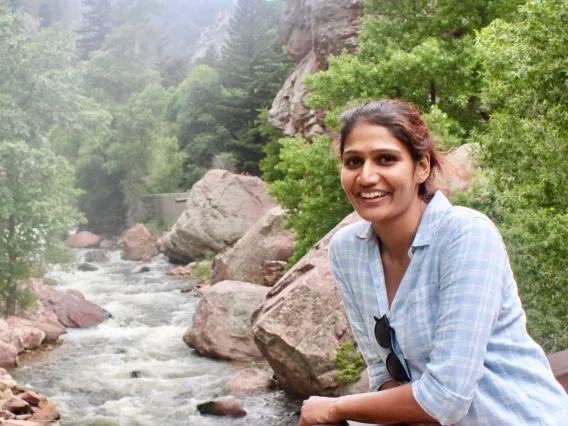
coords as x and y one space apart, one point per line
423 169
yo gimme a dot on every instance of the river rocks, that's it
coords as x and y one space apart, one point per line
139 244
220 209
44 321
15 422
302 323
265 240
86 267
141 269
83 240
16 406
221 324
249 381
8 356
21 333
97 256
311 31
179 271
226 406
71 308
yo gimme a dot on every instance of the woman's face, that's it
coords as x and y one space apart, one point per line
379 175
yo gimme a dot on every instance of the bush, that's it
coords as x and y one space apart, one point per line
310 191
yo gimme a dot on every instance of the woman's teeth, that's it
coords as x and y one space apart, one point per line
373 194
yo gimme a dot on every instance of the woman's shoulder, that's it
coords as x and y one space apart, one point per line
459 220
352 234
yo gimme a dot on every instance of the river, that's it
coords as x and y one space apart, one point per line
88 376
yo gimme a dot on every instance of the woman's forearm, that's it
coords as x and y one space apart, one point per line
393 405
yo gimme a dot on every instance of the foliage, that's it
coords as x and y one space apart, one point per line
420 51
271 149
198 121
37 208
252 70
523 149
39 88
310 191
201 272
348 363
97 25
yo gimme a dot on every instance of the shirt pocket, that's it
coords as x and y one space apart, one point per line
420 314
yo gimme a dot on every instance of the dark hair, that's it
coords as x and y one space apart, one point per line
405 123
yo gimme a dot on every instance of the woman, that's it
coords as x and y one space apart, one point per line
429 293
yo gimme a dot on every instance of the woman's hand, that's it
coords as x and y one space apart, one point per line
319 410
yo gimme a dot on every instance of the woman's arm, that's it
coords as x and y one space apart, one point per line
393 405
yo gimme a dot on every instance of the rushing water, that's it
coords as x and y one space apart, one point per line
88 376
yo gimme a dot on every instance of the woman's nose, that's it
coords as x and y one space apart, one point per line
368 174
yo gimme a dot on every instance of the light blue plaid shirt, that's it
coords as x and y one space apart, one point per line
457 320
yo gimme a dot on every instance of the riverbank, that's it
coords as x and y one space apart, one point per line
89 376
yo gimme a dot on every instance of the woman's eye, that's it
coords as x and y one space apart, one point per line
386 159
353 162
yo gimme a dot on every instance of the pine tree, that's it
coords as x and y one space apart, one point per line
252 69
98 24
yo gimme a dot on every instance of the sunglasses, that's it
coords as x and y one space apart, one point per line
394 364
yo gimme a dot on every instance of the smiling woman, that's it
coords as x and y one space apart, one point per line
429 293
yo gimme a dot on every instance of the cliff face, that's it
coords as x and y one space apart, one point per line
311 30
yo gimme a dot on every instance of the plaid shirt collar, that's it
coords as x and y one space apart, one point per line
431 218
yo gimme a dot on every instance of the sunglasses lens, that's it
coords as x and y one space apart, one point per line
382 332
395 369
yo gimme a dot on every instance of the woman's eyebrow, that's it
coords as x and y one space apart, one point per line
374 151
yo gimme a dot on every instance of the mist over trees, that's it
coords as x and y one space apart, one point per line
93 115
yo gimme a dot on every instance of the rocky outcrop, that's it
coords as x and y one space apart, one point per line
8 354
302 323
458 170
266 240
311 31
220 209
221 325
249 381
83 240
139 244
71 308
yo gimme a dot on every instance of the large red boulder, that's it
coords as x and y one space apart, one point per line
302 324
139 244
265 241
71 308
220 209
221 325
83 240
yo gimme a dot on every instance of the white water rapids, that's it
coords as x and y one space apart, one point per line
88 376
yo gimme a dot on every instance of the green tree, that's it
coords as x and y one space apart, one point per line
523 149
97 25
39 88
199 121
252 70
420 51
38 206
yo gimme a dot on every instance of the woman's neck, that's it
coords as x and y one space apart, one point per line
397 236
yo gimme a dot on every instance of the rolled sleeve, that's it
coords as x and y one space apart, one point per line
376 369
471 286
